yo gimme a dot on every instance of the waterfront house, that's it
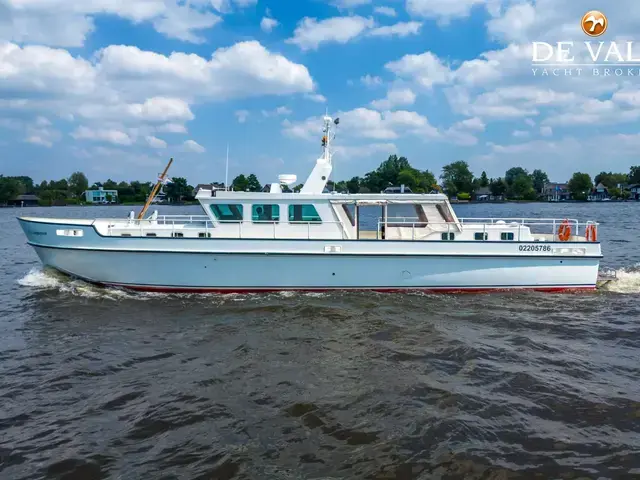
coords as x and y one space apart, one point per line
482 194
25 201
101 196
634 190
556 192
599 194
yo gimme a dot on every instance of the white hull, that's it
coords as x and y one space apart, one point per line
236 265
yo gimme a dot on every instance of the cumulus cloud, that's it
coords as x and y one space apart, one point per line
126 87
267 24
193 146
394 98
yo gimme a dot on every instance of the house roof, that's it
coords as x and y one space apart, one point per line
483 191
24 198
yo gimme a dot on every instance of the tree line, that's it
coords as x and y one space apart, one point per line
456 180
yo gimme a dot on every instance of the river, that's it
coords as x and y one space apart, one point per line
107 384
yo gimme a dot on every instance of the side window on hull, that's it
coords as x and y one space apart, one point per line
227 212
265 213
304 214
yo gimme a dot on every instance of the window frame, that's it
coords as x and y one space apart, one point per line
275 217
291 214
215 210
484 235
451 236
507 234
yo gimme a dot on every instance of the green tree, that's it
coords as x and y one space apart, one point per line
610 180
177 189
539 179
409 177
298 187
513 173
615 192
10 188
253 184
353 185
634 174
625 194
110 185
78 184
457 178
240 183
580 185
522 187
484 181
428 182
498 187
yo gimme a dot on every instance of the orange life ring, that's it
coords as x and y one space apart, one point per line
591 233
564 231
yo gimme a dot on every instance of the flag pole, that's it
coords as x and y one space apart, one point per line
161 180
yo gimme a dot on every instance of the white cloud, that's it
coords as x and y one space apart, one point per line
350 3
277 112
394 98
546 131
370 81
242 115
172 128
244 69
193 146
520 134
366 123
39 21
155 142
472 124
426 69
347 152
388 11
268 24
116 137
135 92
401 29
182 22
310 32
442 9
42 121
315 97
38 140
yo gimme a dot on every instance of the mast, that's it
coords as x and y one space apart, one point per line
226 173
317 180
161 180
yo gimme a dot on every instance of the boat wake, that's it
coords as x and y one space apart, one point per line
627 280
46 279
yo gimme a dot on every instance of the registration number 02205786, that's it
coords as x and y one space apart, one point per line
534 248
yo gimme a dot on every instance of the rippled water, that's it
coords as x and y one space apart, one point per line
106 384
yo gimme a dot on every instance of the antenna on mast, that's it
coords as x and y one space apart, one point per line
226 173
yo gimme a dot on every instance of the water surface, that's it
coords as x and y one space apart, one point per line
107 384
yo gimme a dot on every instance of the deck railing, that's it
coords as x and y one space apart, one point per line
535 226
247 229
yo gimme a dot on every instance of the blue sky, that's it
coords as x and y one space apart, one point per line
116 88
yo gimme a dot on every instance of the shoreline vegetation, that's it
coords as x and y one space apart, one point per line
456 180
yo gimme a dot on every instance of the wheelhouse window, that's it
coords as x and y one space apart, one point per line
448 237
304 214
480 236
508 236
227 212
265 213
